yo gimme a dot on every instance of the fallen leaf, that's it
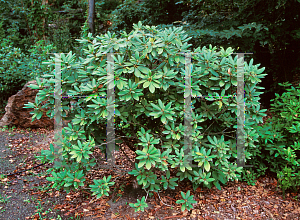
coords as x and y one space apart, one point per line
289 205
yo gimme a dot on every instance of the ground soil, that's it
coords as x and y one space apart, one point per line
22 198
236 200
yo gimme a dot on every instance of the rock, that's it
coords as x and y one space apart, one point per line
18 116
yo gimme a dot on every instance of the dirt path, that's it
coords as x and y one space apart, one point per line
15 201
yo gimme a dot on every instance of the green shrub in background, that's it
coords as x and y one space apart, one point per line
103 15
25 22
38 53
17 68
279 145
147 11
60 35
149 88
126 14
22 22
12 71
2 32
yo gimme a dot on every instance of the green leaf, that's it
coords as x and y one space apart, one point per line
148 165
206 166
39 115
33 86
183 207
143 69
234 82
217 184
141 163
152 88
146 84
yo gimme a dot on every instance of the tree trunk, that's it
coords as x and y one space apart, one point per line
91 17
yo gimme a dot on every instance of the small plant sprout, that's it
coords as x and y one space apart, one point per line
186 201
140 205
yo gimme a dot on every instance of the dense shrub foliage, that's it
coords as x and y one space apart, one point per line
279 145
265 27
17 68
149 71
12 60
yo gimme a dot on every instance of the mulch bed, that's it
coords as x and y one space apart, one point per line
236 200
